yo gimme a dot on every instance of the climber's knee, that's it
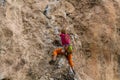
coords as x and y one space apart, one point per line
54 53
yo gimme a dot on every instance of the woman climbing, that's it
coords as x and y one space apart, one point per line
66 49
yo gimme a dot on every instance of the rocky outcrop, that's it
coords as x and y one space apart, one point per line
29 33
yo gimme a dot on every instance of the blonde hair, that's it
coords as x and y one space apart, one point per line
63 31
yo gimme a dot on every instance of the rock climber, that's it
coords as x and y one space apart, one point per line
65 50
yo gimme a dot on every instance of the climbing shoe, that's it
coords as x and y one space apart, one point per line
52 62
72 71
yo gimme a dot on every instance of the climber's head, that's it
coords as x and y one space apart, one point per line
63 31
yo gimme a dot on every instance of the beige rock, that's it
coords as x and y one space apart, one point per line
27 37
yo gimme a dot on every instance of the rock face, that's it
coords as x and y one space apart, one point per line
29 33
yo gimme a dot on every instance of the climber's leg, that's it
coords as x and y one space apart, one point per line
56 52
70 60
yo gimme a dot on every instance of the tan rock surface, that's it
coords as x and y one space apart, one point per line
27 33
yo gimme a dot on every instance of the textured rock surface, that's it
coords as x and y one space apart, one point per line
29 30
